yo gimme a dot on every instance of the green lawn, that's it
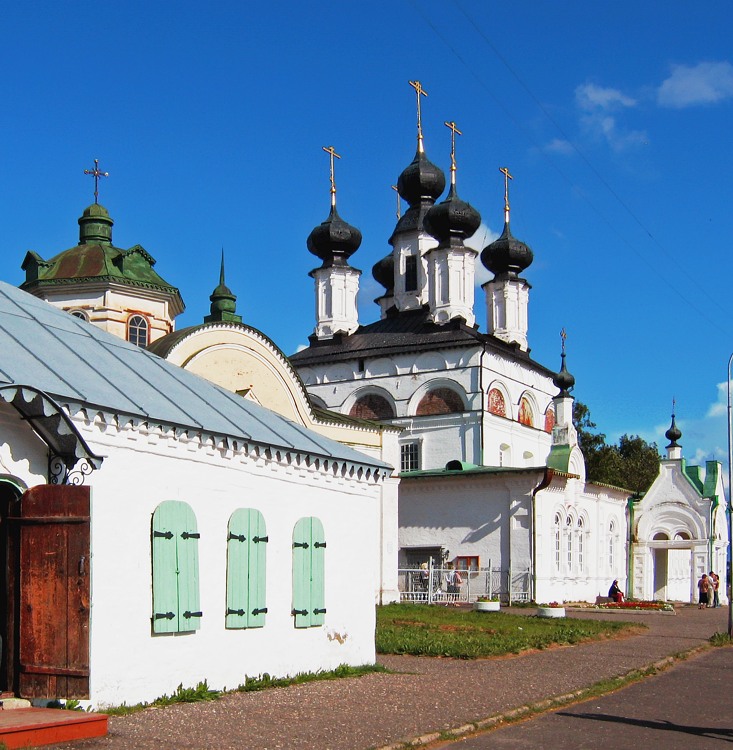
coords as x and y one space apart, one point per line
425 630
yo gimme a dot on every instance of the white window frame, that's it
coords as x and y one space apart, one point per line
407 448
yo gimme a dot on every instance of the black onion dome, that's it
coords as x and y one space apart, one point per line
383 272
334 241
452 218
673 434
564 380
421 179
507 256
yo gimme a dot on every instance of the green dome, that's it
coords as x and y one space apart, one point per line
95 226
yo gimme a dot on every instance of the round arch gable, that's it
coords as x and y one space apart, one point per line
368 390
433 385
240 358
670 521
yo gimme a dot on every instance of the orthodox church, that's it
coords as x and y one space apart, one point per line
490 469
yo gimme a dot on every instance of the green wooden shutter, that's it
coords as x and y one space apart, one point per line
302 573
246 560
309 546
189 605
257 570
318 554
175 568
165 570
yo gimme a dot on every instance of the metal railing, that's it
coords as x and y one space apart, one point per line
430 585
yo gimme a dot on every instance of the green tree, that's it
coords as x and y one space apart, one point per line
632 464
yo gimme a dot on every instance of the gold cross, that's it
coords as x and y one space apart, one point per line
332 153
97 174
399 206
453 132
419 91
563 336
507 177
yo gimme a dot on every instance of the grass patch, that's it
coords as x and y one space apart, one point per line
202 692
422 630
720 639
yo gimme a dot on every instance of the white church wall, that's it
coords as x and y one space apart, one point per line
474 515
584 559
142 470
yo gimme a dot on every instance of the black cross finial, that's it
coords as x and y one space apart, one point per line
331 151
97 174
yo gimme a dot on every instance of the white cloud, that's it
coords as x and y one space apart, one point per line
592 98
597 104
559 146
704 83
480 239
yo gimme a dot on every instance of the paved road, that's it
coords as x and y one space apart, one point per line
688 707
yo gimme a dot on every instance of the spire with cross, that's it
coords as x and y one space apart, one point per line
97 173
507 177
332 153
453 132
419 91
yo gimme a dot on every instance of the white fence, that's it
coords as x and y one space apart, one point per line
430 585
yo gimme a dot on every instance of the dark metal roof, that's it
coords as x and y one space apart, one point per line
76 363
407 332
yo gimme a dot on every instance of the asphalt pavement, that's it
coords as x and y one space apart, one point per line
687 707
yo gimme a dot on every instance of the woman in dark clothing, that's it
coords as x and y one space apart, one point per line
615 592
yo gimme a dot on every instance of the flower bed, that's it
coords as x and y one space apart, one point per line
638 605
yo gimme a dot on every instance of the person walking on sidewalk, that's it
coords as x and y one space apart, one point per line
703 586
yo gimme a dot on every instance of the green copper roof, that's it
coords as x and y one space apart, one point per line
95 258
223 302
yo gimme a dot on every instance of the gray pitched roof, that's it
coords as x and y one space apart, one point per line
76 363
405 332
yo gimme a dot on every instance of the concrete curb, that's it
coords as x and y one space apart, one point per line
540 707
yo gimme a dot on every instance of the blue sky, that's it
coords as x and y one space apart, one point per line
614 118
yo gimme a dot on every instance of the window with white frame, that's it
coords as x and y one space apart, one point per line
611 545
569 541
581 532
410 456
137 331
557 541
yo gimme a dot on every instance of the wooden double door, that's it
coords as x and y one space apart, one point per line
45 639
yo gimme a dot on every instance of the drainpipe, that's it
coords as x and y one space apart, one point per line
544 482
483 405
711 534
629 545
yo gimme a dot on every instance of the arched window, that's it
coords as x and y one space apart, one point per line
611 544
497 405
681 536
137 331
440 401
549 420
79 314
372 406
581 532
660 536
557 541
569 539
525 412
